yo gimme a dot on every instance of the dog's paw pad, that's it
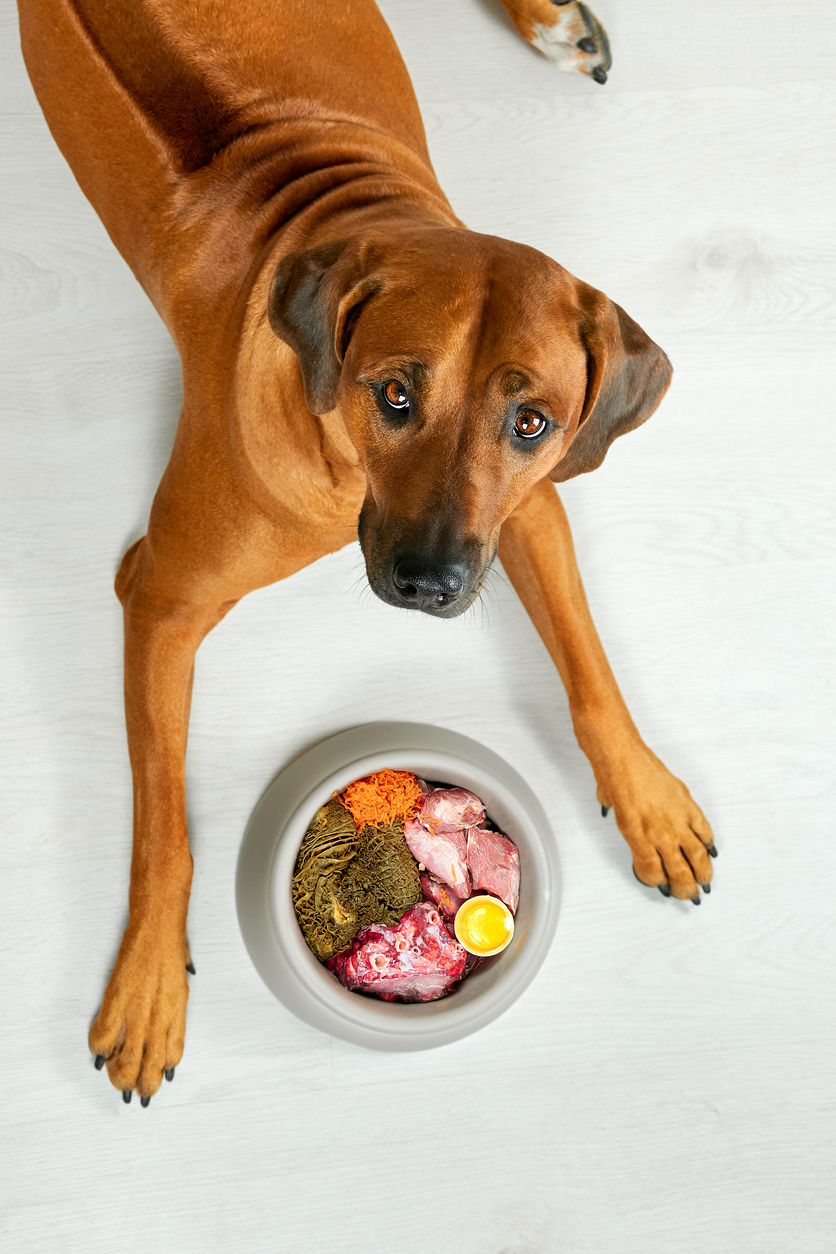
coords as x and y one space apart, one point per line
571 36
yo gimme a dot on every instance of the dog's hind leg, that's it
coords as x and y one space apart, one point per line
667 832
566 32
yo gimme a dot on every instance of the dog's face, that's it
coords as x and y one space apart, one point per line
465 368
459 388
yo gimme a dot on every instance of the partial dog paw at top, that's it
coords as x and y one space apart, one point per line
566 32
139 1031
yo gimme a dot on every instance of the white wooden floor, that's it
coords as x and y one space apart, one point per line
667 1085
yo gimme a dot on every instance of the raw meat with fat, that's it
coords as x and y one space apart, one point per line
449 809
442 895
444 854
417 961
494 865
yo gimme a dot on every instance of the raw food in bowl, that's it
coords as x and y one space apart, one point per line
381 874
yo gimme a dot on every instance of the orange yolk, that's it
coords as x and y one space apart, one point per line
483 925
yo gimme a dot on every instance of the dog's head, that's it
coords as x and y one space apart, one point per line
465 368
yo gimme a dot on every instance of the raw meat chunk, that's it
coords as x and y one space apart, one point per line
448 809
417 961
494 865
443 854
443 895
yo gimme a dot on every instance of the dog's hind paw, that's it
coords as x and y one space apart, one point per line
568 33
139 1031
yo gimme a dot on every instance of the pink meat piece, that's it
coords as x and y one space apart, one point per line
443 854
494 865
442 895
417 961
448 809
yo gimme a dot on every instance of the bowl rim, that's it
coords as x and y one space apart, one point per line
268 854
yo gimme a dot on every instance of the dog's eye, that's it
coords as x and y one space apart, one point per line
395 394
529 424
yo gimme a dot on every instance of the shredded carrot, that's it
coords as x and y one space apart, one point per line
382 797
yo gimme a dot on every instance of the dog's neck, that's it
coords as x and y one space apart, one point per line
269 194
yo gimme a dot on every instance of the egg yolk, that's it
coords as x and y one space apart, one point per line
484 925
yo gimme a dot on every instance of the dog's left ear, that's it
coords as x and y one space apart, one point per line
627 376
314 299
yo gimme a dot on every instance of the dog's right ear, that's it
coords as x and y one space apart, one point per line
315 297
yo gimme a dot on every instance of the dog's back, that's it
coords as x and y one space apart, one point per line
183 94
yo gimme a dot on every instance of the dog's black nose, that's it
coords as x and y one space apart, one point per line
426 587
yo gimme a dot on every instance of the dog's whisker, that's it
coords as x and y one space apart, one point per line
495 601
357 582
496 572
491 591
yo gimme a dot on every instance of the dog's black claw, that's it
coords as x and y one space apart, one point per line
145 1101
100 1061
605 811
706 888
126 1096
712 849
665 890
169 1075
696 900
587 45
190 968
599 75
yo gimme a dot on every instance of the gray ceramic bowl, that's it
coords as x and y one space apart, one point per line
268 855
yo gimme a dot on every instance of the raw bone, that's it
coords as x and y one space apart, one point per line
417 961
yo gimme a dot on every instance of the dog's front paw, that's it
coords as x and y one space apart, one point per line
571 36
140 1029
669 836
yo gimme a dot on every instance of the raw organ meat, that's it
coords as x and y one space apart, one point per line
494 865
444 854
417 961
449 809
443 895
345 879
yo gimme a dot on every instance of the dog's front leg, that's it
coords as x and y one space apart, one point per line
140 1027
667 832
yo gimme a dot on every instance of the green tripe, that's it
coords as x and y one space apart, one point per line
345 879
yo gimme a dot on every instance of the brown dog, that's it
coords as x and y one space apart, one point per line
349 351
